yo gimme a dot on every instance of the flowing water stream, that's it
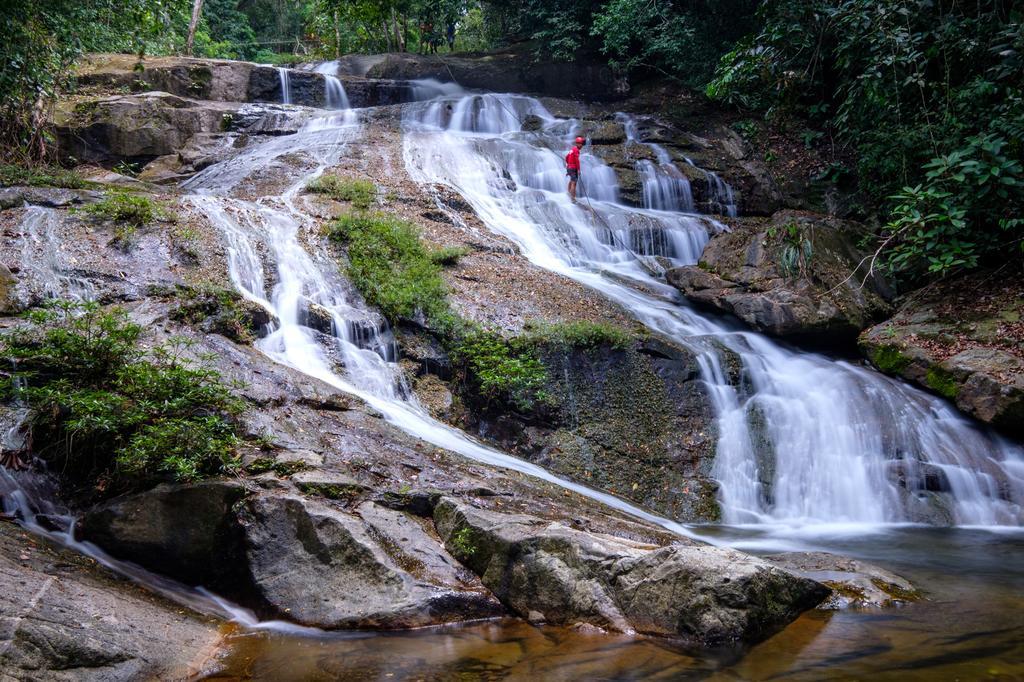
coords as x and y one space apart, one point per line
803 438
829 431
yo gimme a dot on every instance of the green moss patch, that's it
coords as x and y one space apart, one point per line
942 382
889 359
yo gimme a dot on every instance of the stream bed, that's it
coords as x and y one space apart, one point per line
970 626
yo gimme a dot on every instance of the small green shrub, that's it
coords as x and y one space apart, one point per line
581 334
108 413
391 268
503 371
361 193
128 213
449 255
462 544
41 176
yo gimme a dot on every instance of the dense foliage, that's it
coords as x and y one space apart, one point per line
106 412
928 95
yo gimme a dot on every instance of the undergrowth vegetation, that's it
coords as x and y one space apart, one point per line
110 415
397 274
360 193
127 212
41 176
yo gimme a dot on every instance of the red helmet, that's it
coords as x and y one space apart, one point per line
580 140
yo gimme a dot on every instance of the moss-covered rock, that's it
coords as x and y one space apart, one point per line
797 276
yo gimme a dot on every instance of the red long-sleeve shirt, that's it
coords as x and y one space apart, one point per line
572 159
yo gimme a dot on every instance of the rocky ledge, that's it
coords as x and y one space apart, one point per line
354 560
964 340
797 276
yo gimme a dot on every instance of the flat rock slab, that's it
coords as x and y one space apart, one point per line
64 618
854 583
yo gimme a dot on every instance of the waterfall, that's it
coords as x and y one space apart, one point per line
802 438
275 225
286 85
334 91
720 195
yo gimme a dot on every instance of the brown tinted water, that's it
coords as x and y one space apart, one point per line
970 627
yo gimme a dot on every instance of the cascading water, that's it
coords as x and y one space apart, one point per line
276 223
334 91
286 85
802 438
41 256
665 188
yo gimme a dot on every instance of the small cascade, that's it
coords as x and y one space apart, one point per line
801 438
334 91
720 195
41 257
665 188
286 85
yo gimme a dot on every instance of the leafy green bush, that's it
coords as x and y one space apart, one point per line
903 86
361 193
971 205
391 268
40 176
106 412
449 255
501 371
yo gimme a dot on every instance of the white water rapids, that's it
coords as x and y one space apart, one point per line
803 439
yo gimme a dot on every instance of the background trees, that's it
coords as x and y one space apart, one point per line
923 98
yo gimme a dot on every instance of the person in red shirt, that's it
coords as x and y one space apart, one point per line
572 167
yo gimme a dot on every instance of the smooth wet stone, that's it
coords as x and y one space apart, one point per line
854 583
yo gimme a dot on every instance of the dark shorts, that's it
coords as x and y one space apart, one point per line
572 173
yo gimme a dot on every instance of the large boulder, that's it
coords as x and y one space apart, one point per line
378 569
548 572
796 276
185 531
962 340
295 557
136 128
854 583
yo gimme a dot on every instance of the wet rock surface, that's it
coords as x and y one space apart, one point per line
796 276
552 573
854 583
634 421
62 617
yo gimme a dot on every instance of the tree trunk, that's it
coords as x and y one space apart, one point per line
387 35
337 35
197 10
399 43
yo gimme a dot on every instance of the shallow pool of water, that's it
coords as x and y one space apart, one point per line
969 627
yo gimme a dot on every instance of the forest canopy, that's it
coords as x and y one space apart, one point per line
921 102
